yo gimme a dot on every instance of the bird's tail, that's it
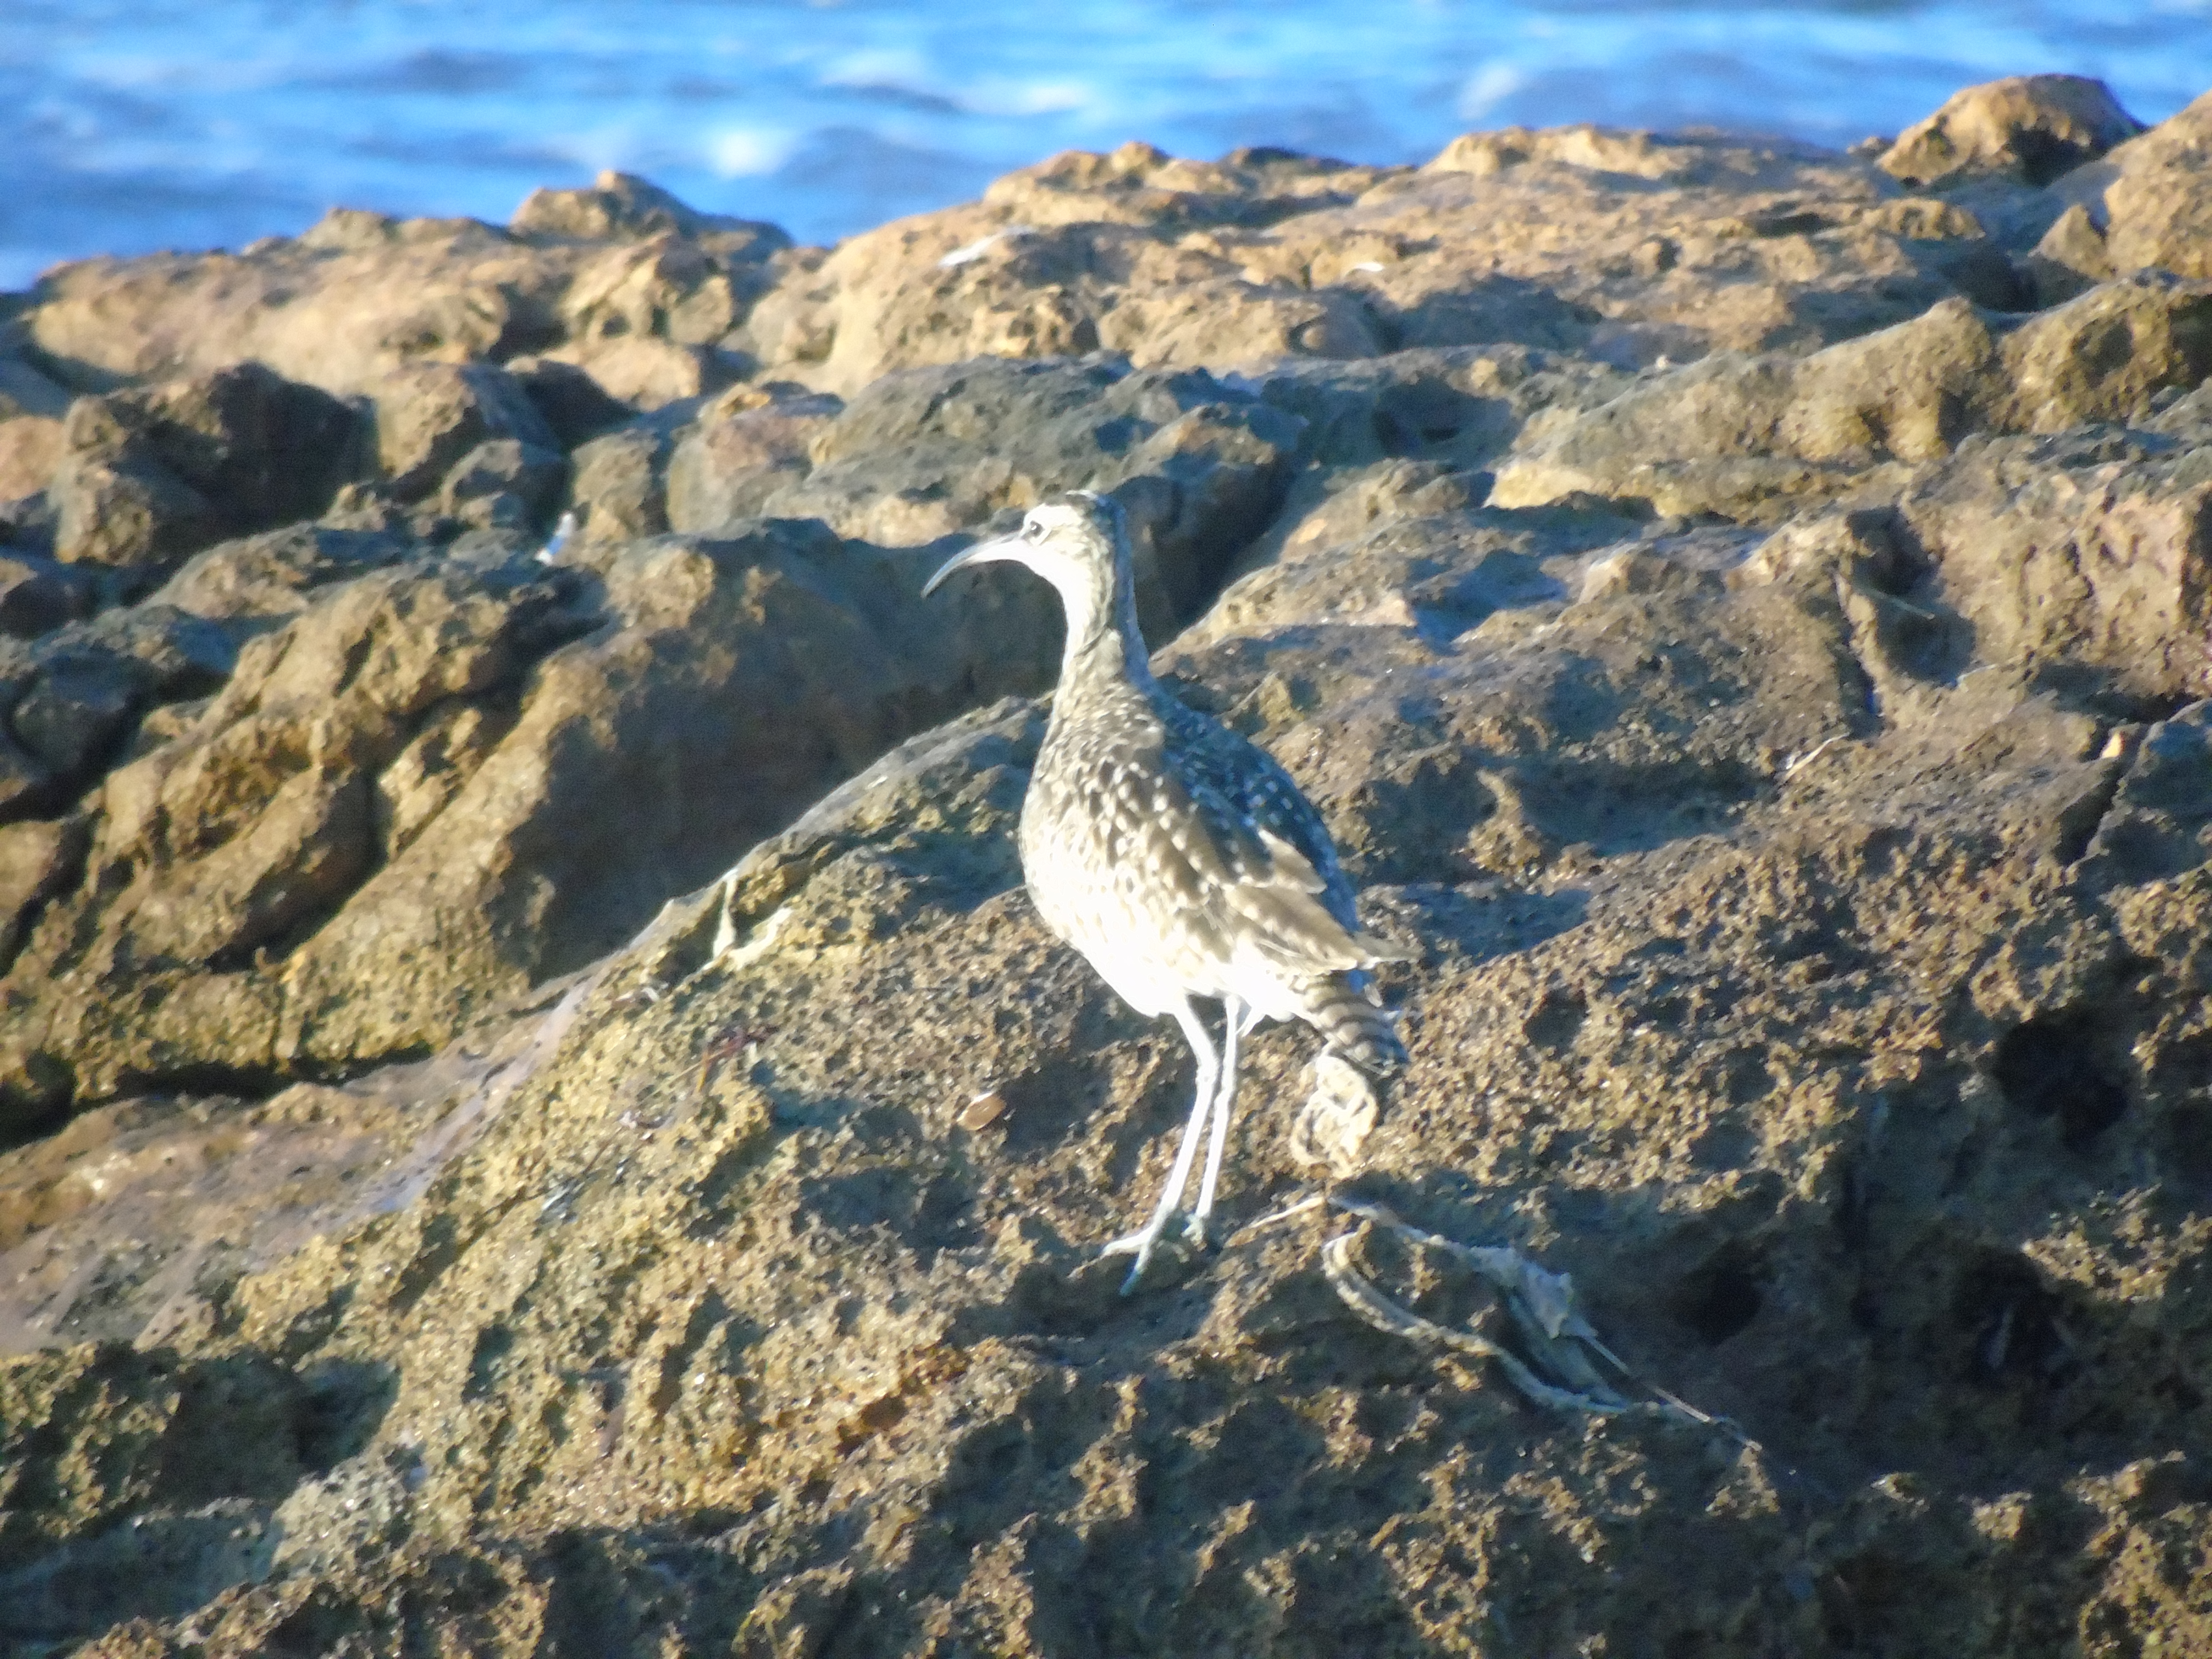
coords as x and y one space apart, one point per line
1346 1009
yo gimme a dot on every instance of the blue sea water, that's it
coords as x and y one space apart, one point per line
132 124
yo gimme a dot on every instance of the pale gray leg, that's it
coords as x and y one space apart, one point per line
1235 1022
1141 1243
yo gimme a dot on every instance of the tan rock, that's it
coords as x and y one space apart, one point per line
37 861
359 295
2156 206
1754 436
2031 127
150 473
430 415
31 448
2101 565
336 310
2145 205
117 507
1675 246
647 372
736 456
423 778
666 288
621 204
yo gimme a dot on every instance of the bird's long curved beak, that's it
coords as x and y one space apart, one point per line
983 552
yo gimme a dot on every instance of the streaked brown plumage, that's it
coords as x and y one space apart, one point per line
1178 857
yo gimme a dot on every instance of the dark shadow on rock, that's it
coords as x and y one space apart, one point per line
241 1433
2050 1067
341 1403
152 1566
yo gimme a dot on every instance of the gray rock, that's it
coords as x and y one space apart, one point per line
273 574
503 483
24 390
726 466
1199 465
25 785
76 711
72 699
2158 825
37 594
575 406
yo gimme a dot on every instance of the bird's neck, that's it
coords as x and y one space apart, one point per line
1105 646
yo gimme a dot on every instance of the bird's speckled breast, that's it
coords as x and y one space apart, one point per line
1097 854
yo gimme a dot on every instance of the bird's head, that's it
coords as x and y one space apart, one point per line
1078 542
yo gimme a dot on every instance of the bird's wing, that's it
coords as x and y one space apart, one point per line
1263 867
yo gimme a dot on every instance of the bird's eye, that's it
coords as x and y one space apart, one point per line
1032 530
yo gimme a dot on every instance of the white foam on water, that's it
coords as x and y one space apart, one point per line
748 152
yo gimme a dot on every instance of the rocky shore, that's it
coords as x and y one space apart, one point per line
488 1017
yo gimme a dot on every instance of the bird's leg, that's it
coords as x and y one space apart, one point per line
1235 1022
1142 1242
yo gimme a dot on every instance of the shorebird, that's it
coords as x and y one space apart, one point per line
1179 859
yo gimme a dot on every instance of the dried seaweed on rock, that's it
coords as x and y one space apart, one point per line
1561 1362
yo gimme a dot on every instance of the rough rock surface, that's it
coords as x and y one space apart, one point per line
148 475
1791 760
2141 207
426 787
2031 127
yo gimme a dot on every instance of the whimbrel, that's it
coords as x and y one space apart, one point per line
1177 857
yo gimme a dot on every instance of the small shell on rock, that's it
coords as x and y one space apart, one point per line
983 1110
1337 1117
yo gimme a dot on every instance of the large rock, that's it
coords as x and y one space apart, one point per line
1637 247
429 415
621 204
724 466
1804 1038
2146 205
1200 467
359 295
397 809
1760 436
150 475
2029 127
239 835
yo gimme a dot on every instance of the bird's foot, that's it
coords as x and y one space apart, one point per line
1181 1231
